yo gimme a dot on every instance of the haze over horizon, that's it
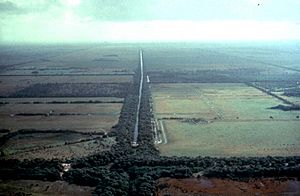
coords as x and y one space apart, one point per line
152 20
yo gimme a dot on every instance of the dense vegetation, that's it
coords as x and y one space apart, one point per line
37 169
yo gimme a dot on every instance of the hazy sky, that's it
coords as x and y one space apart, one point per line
148 20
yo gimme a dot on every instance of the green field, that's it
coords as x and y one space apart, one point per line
260 138
215 101
238 121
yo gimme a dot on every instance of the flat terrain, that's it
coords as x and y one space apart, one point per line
204 186
232 139
92 109
223 120
36 188
94 75
226 101
49 88
82 117
208 99
58 145
222 56
12 84
84 100
209 63
68 59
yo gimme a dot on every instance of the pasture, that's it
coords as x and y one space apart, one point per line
240 138
223 119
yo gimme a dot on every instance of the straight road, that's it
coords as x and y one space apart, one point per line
136 128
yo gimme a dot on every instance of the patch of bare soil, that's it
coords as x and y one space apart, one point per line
213 186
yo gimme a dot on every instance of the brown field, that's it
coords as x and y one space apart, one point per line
205 186
100 123
82 117
43 188
60 99
92 109
49 145
63 152
11 84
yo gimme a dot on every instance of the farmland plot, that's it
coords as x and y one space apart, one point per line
223 120
82 117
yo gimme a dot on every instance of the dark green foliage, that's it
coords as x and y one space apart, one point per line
114 183
94 160
86 176
106 182
37 169
143 185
